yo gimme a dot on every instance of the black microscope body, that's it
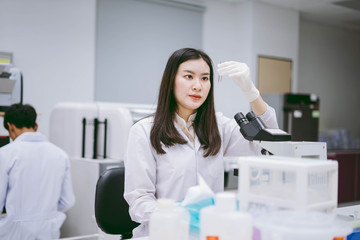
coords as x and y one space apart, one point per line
253 128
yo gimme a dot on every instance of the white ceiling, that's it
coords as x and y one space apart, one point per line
341 13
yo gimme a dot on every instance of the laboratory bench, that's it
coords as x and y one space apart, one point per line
349 174
348 210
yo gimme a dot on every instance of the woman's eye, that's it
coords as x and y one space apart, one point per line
205 78
188 76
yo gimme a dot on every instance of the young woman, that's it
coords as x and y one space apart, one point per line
185 137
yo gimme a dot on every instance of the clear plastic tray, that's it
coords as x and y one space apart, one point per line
288 183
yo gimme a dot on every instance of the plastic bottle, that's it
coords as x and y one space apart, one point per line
168 222
223 221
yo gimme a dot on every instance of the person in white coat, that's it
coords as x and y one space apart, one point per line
35 182
185 137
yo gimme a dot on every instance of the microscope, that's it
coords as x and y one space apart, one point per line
277 141
273 142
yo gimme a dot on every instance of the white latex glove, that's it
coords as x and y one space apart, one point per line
240 73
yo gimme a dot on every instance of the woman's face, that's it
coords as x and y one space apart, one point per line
191 87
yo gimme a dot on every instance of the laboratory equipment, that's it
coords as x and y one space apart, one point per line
253 128
351 213
287 183
11 86
223 221
93 147
11 91
301 116
276 141
313 150
273 142
298 225
297 113
169 221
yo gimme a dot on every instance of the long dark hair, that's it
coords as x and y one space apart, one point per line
205 125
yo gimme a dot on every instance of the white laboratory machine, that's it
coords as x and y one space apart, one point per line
94 135
11 85
11 91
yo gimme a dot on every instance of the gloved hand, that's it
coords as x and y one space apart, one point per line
240 73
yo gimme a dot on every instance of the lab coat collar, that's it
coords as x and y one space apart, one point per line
30 137
182 121
197 143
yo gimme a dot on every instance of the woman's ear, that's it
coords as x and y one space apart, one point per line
36 127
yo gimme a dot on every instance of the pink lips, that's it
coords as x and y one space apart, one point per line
195 97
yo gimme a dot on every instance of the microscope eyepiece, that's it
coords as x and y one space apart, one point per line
253 128
250 116
240 119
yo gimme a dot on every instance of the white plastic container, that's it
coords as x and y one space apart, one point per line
66 127
223 222
287 183
169 222
298 225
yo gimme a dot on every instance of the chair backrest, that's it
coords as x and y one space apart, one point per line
111 209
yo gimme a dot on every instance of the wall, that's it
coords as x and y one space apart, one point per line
242 32
276 34
133 43
53 44
329 63
227 37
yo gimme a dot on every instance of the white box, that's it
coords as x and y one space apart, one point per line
287 183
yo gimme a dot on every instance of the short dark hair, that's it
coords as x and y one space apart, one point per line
20 115
205 125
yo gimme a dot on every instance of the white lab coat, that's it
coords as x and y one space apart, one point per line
149 175
35 188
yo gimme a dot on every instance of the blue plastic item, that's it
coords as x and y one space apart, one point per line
354 236
194 211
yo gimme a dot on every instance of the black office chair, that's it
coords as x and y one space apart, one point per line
111 209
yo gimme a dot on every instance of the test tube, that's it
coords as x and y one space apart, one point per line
219 76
